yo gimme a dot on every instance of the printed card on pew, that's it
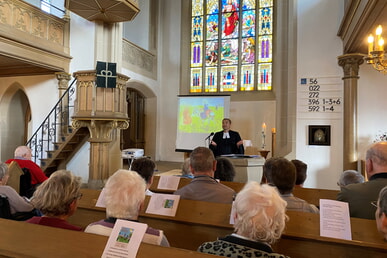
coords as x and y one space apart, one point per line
168 182
125 239
163 204
101 199
334 219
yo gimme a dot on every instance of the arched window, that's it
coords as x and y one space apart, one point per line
229 53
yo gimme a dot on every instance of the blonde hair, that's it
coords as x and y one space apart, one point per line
124 194
54 196
260 212
3 170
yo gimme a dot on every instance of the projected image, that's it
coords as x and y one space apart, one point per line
200 115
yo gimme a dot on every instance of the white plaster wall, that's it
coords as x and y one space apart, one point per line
169 74
82 38
372 106
79 164
33 86
317 51
247 118
82 44
137 31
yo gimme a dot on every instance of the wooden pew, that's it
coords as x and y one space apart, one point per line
193 221
302 239
197 222
21 239
236 186
311 195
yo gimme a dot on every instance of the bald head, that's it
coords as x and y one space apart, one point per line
376 158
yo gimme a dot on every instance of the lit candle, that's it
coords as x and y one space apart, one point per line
381 44
273 130
378 36
263 128
370 44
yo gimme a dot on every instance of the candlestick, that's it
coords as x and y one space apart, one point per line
370 44
263 135
378 36
263 140
381 44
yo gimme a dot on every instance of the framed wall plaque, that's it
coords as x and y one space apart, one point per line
319 135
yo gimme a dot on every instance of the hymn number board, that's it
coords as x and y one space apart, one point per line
320 97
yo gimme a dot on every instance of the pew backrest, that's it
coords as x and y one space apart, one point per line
22 239
313 195
197 222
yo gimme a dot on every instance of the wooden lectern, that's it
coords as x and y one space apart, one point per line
247 168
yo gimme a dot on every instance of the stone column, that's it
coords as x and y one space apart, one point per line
63 83
100 139
350 64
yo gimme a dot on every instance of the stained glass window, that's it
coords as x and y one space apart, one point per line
231 45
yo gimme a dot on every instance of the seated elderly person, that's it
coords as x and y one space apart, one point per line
350 177
301 169
225 170
381 213
22 157
281 173
204 187
19 206
124 194
259 221
57 198
145 167
186 170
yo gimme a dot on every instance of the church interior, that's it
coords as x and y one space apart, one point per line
318 96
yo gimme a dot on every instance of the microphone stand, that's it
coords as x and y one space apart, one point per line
209 139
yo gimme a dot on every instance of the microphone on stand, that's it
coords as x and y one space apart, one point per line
211 134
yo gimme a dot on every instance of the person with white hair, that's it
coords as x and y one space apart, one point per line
381 213
350 177
259 215
22 157
359 196
17 203
124 194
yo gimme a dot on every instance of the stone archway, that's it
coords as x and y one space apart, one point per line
143 118
15 117
134 136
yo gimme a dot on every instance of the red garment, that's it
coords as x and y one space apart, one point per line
37 174
231 21
53 222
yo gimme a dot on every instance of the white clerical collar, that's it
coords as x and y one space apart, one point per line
226 135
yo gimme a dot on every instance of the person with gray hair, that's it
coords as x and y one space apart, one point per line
359 196
381 212
350 177
124 194
57 198
185 169
204 187
22 157
17 203
259 215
